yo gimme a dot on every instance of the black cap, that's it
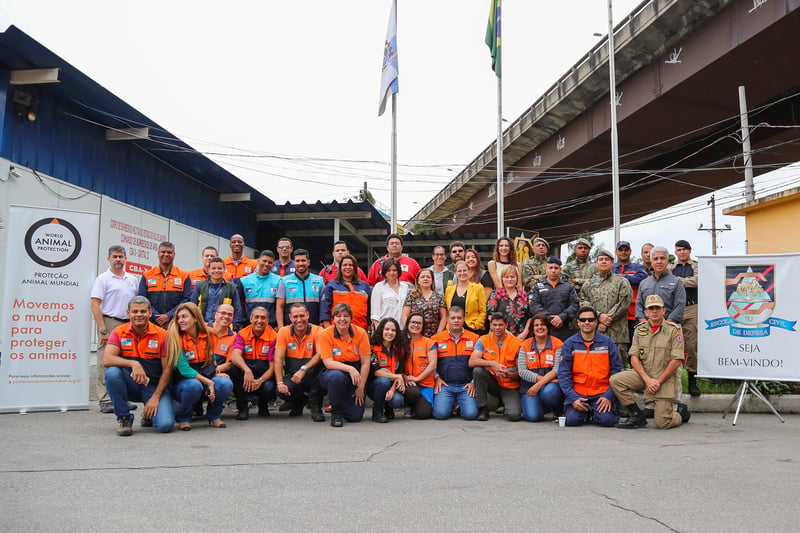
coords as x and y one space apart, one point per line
555 260
683 244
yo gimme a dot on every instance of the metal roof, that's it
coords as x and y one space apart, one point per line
79 108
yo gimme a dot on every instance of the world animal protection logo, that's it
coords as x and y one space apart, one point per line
750 296
53 242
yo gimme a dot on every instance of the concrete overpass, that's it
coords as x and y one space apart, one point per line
679 64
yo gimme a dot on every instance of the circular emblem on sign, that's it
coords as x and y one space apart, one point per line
53 242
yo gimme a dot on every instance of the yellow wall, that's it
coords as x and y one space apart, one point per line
774 228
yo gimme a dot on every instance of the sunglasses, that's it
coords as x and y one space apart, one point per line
586 320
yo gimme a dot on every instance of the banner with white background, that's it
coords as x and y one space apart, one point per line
46 319
747 317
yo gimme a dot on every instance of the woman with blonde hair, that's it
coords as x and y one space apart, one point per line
468 296
190 350
512 301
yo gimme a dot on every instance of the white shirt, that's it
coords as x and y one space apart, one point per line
385 303
114 293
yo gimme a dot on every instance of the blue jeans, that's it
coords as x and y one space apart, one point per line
549 398
578 418
189 391
448 395
376 390
121 388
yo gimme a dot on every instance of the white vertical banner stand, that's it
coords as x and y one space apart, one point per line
747 319
46 314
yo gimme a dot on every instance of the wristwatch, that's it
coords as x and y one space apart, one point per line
104 331
260 379
304 368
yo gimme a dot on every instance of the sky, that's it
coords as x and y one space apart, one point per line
285 94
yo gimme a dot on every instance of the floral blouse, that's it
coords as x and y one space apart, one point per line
516 309
430 310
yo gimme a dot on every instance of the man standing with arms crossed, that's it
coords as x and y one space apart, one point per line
111 292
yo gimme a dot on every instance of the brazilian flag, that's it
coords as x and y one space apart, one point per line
493 35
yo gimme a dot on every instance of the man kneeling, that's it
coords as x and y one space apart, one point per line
657 350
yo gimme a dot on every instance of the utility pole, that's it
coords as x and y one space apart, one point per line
714 229
749 189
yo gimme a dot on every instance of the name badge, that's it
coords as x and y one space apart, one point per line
442 346
265 349
223 347
248 349
126 342
309 345
190 355
337 351
177 282
248 270
151 282
404 267
470 344
152 344
292 346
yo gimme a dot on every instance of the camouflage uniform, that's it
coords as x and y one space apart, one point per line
610 295
531 267
580 271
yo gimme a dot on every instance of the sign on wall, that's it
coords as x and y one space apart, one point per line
137 230
46 326
747 317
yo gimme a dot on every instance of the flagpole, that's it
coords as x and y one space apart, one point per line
612 75
393 228
500 193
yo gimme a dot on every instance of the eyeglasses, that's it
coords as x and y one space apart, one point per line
586 319
415 323
224 313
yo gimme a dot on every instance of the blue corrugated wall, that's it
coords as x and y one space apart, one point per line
73 150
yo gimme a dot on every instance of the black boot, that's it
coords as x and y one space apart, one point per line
378 415
296 406
635 420
315 405
337 420
483 414
694 390
683 410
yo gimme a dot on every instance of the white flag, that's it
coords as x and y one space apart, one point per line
389 72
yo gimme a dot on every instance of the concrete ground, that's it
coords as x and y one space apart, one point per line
70 471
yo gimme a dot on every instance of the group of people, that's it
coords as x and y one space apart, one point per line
427 342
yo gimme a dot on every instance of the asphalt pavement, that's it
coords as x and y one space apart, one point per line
70 471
